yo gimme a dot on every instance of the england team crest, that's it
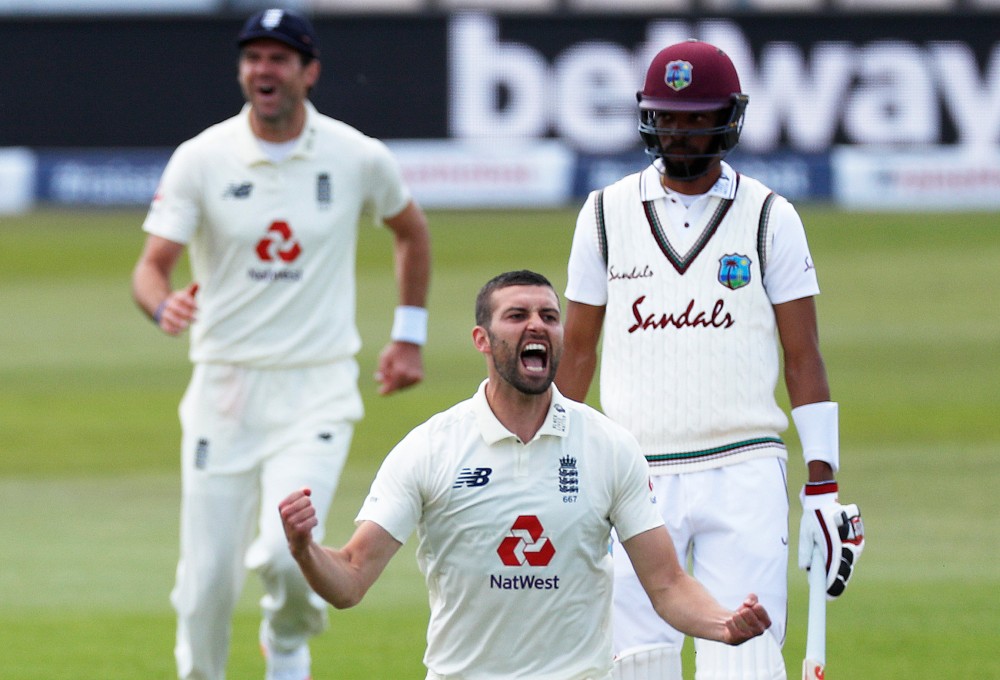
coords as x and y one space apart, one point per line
678 75
734 271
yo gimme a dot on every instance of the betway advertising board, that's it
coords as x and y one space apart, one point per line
471 87
815 86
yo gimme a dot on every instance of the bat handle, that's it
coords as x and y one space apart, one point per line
813 669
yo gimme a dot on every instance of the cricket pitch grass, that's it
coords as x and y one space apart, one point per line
89 438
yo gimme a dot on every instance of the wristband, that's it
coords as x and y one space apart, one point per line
819 432
409 324
817 494
158 313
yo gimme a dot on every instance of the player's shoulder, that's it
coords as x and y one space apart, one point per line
626 188
457 418
600 439
331 130
751 185
630 182
329 125
597 425
217 136
781 210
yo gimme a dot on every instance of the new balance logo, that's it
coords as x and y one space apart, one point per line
238 190
473 477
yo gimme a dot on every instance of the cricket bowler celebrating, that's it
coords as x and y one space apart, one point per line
268 203
694 273
513 494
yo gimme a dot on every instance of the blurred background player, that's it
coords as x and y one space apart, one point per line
513 494
694 272
269 203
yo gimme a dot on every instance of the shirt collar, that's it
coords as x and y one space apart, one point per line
652 188
556 420
304 147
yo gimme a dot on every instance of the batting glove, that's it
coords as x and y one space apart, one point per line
837 530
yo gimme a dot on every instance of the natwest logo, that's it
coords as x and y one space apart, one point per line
525 544
278 244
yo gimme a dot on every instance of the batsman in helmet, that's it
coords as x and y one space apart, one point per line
701 280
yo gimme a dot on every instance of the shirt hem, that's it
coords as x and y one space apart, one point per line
719 456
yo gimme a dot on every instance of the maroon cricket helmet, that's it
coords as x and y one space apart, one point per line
691 76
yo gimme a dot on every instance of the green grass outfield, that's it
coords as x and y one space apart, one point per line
88 444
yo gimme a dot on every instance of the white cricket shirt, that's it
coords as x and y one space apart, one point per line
513 537
272 244
690 354
790 273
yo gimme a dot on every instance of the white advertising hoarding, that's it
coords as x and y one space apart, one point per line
491 174
932 178
17 180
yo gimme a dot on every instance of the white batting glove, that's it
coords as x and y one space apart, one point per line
837 530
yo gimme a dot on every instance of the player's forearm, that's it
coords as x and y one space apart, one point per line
151 283
689 608
805 371
413 264
413 273
583 324
150 287
806 380
329 574
412 257
575 373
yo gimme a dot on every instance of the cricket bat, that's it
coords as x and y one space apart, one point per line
814 666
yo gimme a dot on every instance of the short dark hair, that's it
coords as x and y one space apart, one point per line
521 277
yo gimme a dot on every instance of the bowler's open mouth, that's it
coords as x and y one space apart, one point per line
535 357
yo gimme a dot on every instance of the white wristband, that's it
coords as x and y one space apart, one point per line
819 432
409 324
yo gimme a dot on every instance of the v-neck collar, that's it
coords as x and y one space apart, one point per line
722 193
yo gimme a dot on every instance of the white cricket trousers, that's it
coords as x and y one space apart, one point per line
249 438
732 523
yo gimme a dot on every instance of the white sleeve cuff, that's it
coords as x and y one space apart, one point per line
819 432
409 324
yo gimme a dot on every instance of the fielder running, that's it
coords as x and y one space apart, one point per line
513 495
693 271
269 203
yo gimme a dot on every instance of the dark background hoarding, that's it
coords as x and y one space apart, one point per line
113 82
814 80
